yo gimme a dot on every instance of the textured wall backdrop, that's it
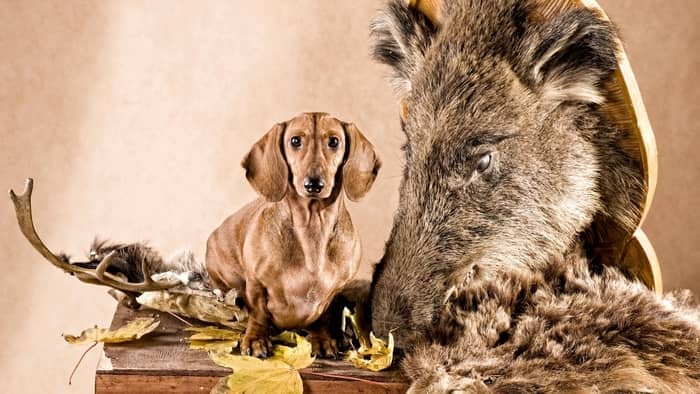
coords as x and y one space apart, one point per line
132 117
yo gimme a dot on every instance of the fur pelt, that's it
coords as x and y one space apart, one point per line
561 329
129 258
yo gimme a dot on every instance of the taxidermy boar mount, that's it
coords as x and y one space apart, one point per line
515 261
526 138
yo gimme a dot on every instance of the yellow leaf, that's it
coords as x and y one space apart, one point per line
214 346
277 374
298 356
212 333
237 363
286 337
361 336
376 358
215 339
265 381
221 387
132 330
262 380
252 375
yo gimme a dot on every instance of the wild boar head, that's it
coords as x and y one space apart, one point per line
508 157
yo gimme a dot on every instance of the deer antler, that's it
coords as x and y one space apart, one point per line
98 276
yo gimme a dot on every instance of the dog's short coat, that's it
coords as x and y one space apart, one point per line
290 252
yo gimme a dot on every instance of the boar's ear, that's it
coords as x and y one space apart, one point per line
265 165
402 33
570 56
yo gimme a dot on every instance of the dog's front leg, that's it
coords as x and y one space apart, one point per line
256 341
320 334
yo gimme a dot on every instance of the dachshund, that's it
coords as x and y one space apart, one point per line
294 249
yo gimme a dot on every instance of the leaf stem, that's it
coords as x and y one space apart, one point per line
70 378
333 376
179 318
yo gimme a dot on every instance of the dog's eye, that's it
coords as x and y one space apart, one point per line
484 162
333 142
295 141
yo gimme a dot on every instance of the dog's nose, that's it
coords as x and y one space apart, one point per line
313 184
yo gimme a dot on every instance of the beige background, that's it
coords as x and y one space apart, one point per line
133 117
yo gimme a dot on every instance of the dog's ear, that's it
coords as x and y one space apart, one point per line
570 56
361 163
265 165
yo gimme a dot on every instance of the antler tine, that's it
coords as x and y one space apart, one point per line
101 270
99 276
146 273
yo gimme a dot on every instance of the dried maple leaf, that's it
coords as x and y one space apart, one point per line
211 333
215 339
252 375
361 336
132 330
277 374
298 356
214 346
377 357
374 354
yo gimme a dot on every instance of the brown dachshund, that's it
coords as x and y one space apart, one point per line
291 252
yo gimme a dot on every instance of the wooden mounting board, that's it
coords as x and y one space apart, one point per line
161 362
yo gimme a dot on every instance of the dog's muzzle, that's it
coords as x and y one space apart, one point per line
314 185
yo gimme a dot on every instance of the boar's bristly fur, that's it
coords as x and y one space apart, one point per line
510 161
560 330
493 87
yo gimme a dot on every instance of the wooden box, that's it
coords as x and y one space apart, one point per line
161 362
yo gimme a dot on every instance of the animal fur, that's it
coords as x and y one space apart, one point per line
561 329
129 257
482 85
292 251
511 164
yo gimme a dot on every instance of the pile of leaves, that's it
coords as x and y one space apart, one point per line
276 374
291 353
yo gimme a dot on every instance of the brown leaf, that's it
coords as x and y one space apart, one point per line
214 338
132 330
197 306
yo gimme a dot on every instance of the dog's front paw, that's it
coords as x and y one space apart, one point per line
323 346
256 345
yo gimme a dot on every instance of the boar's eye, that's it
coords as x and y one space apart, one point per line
484 162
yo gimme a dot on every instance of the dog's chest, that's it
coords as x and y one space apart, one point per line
309 272
300 296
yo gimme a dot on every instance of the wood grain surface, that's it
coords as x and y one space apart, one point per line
161 362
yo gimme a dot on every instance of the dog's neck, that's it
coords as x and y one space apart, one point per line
314 213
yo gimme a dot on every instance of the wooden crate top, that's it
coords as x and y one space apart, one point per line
162 362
